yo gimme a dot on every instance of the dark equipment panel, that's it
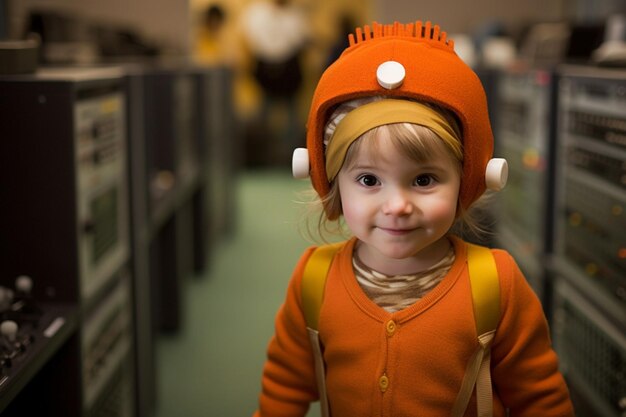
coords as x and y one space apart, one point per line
524 136
64 217
590 251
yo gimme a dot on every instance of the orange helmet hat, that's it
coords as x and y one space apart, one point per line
412 61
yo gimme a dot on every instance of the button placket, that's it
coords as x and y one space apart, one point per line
390 329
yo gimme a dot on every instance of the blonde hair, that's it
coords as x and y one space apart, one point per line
418 142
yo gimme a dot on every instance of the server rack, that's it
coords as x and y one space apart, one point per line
168 182
165 180
220 146
64 221
592 351
179 127
590 258
525 137
78 147
172 179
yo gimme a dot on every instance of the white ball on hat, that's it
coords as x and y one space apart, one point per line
300 165
390 74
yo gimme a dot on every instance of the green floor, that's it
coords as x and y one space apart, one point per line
212 367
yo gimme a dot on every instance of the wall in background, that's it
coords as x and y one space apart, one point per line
171 22
460 16
162 21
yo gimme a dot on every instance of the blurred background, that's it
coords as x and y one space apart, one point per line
149 222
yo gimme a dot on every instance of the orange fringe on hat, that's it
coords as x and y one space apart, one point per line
424 32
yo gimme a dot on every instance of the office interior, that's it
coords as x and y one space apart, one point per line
149 221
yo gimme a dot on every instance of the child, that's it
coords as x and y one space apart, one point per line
399 143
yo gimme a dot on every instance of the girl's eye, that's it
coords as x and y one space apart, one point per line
368 180
424 180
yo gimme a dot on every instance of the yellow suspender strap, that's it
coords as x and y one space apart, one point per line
313 284
485 286
314 281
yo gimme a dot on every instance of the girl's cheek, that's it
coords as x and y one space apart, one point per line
442 207
351 214
356 213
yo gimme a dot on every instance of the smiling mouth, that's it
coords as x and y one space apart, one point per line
396 232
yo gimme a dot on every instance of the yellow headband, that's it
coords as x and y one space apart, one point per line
379 113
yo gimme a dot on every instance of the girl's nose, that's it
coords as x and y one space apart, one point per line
398 204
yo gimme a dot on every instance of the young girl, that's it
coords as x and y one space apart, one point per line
399 144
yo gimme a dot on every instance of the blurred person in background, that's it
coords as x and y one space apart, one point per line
276 34
211 45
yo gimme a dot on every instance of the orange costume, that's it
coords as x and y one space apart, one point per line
411 362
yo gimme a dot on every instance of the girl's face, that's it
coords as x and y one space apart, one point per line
399 209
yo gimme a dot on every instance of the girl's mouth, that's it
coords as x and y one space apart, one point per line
395 231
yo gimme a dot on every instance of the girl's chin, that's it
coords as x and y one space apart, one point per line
408 257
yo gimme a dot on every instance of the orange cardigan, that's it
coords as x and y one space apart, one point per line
411 362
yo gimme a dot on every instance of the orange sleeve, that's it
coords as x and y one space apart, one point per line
524 365
288 384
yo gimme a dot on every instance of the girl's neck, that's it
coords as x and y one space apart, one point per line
417 263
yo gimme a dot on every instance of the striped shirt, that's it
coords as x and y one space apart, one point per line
397 292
